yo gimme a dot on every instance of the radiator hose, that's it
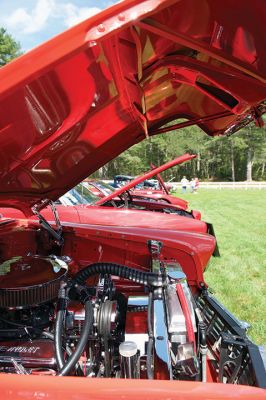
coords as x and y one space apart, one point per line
59 325
86 330
142 277
66 367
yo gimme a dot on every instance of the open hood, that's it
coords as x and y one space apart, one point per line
161 181
80 99
147 175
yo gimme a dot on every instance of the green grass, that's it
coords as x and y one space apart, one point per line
238 278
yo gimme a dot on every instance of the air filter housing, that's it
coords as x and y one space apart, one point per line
30 281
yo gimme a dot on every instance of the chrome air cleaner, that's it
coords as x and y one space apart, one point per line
30 281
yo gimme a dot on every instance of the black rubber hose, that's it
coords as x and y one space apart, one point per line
49 335
142 277
59 323
86 330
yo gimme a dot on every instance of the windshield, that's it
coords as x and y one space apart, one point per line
104 187
80 195
147 184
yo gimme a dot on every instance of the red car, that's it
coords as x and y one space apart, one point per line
96 311
161 194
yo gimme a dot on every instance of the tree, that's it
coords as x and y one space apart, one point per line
237 145
255 142
218 158
9 48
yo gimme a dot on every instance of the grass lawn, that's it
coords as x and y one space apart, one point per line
238 278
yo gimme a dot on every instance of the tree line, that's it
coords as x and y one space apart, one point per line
239 157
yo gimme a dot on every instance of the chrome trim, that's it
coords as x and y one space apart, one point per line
175 316
175 272
138 301
161 343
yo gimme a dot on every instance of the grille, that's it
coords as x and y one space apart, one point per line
250 370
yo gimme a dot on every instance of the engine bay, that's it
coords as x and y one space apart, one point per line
56 325
84 306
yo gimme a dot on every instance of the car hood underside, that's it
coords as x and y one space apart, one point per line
76 102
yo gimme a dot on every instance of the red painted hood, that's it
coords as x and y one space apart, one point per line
82 98
20 387
147 175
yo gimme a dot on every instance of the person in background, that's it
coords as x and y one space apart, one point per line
192 185
196 185
184 184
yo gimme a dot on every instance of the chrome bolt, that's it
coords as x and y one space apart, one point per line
121 17
101 28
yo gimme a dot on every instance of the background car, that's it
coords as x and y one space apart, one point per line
136 185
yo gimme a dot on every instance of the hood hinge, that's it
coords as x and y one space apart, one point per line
57 234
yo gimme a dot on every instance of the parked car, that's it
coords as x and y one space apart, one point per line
161 195
122 311
138 214
125 202
75 207
132 201
121 180
138 186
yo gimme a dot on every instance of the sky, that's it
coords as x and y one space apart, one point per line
32 22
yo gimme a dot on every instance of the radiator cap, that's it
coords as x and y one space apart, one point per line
128 349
